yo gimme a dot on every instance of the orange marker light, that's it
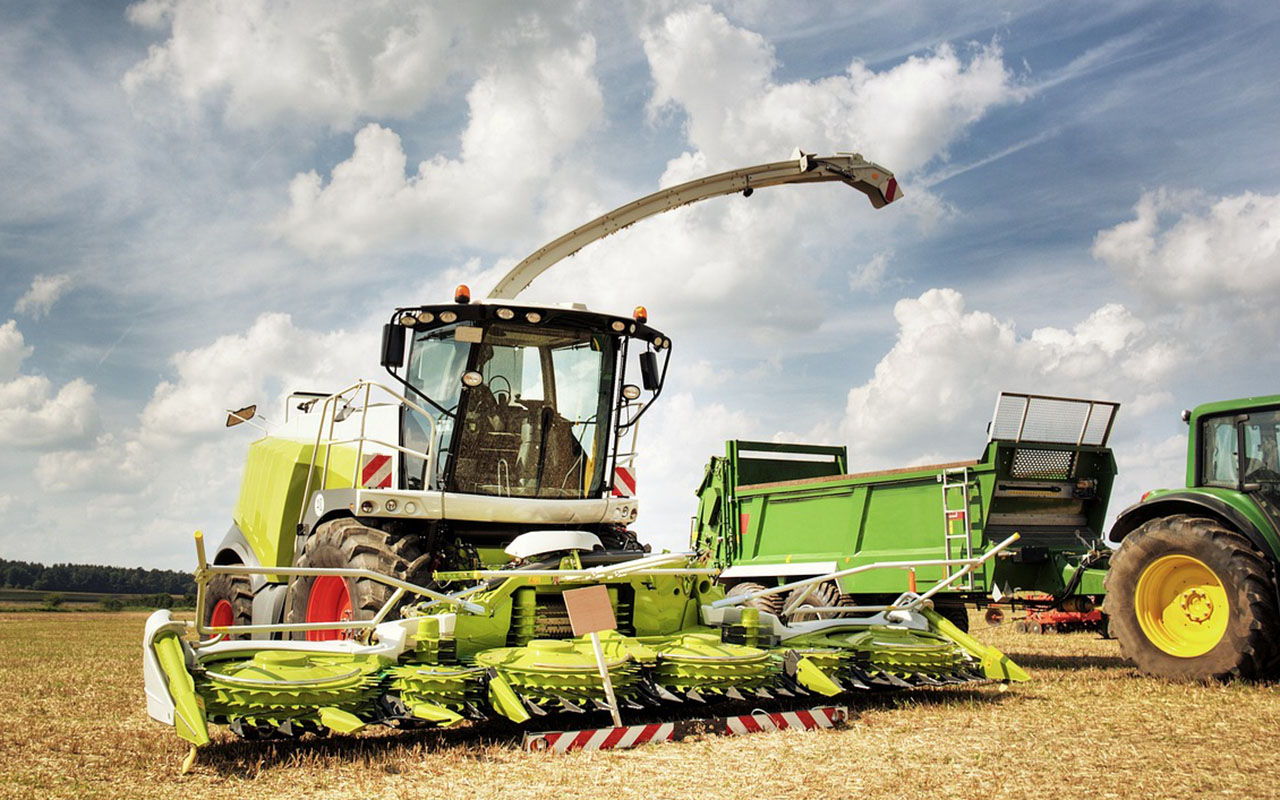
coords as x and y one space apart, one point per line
641 315
462 294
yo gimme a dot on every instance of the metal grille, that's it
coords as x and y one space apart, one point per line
1056 464
1059 420
552 621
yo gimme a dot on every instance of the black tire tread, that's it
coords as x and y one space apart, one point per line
1249 648
348 542
236 590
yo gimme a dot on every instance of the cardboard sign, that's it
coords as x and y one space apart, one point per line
589 610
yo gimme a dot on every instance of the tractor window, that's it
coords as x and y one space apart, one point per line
1220 459
436 363
1262 450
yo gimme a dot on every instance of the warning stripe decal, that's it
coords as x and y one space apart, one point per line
624 482
375 473
635 735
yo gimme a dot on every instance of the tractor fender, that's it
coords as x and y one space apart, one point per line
1193 503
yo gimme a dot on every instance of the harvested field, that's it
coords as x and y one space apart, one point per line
73 724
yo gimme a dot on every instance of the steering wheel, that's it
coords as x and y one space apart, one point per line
502 397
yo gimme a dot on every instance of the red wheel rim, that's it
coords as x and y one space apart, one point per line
223 615
330 601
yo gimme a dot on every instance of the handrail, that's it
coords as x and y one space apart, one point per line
970 564
328 415
205 571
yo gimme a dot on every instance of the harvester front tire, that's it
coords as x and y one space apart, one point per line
228 600
348 543
1190 599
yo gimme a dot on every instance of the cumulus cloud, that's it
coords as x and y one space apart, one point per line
326 61
933 391
523 121
722 76
270 359
1182 245
44 292
32 414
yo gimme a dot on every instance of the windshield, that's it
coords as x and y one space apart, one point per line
535 425
1261 462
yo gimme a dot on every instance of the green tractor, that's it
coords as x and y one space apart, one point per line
1192 590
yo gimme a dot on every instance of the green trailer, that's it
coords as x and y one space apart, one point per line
772 513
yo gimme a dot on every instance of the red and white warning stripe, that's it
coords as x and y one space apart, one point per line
823 717
375 471
636 735
624 482
600 738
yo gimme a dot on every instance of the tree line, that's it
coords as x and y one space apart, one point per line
94 578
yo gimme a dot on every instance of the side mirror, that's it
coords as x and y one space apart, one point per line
245 414
649 371
392 345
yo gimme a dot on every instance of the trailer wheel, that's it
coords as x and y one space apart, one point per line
1190 599
770 603
347 543
955 613
825 594
228 600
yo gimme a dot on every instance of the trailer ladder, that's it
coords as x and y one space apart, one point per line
956 545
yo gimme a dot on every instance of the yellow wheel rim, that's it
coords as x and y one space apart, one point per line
1181 606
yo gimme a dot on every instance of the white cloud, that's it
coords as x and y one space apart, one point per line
327 60
524 121
933 391
13 349
904 117
869 276
32 414
272 358
44 292
1229 247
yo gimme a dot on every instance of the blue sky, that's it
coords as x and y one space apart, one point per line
212 203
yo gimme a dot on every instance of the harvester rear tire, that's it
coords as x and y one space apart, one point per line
228 600
348 543
1182 563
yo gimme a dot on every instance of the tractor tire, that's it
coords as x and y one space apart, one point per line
348 543
955 613
825 594
771 604
1190 599
228 600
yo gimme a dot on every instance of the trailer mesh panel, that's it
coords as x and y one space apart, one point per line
1048 464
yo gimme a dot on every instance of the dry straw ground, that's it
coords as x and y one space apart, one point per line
72 724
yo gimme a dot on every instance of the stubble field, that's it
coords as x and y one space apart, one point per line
73 724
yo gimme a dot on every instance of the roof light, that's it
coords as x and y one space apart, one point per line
657 341
534 317
641 314
408 319
462 294
619 326
506 313
631 392
426 316
448 316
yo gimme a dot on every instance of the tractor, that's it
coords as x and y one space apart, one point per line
1192 589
